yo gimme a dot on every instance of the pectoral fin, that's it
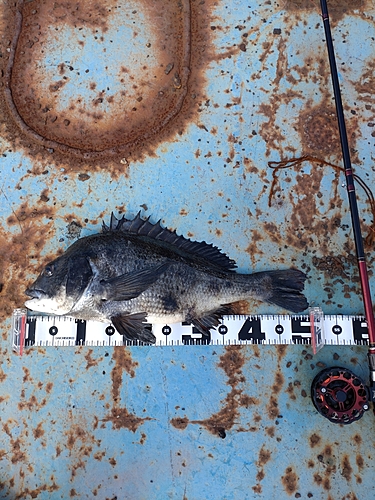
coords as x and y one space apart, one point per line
132 327
130 285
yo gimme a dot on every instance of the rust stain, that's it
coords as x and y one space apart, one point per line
143 438
26 377
273 408
270 431
337 8
336 265
366 82
319 130
121 418
35 493
303 213
31 404
290 480
357 439
21 252
99 455
307 229
3 375
290 391
317 126
156 103
359 461
328 459
44 195
180 422
80 444
256 351
281 350
77 433
242 307
148 104
323 482
18 454
38 432
90 360
279 381
346 468
264 457
315 439
123 362
231 362
257 489
269 130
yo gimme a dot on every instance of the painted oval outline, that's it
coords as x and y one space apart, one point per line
180 83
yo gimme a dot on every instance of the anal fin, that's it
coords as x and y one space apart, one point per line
212 319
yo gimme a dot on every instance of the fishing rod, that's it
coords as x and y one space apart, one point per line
366 294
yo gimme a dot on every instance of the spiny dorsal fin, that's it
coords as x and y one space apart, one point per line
143 227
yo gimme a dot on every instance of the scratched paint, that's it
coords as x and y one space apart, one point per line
237 85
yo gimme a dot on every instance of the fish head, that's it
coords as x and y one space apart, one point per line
60 285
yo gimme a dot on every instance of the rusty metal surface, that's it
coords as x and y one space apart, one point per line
190 422
63 90
196 154
175 108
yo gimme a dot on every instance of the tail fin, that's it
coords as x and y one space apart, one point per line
286 288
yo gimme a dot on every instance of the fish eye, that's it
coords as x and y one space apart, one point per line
48 271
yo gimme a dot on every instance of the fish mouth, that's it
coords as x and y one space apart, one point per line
34 293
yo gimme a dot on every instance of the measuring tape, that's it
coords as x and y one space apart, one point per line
313 328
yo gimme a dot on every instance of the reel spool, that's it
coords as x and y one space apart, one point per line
339 395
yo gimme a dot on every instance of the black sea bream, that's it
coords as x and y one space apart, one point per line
136 272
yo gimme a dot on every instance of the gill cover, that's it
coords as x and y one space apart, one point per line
79 276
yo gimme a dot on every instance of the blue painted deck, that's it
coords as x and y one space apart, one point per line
175 109
187 422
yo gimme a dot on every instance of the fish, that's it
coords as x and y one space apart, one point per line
135 272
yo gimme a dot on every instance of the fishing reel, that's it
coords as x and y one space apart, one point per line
339 395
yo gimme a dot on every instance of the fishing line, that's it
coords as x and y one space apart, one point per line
297 161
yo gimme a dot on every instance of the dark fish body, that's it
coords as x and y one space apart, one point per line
136 272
